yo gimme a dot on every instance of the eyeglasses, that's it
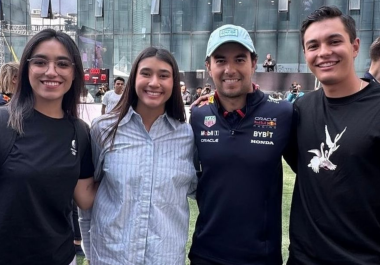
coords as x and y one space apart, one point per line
40 66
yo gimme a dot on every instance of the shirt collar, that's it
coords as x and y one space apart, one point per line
251 99
131 112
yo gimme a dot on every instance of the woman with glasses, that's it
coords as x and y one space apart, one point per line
8 79
49 161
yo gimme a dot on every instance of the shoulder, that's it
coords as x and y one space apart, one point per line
184 127
108 93
102 123
203 108
309 97
276 104
81 125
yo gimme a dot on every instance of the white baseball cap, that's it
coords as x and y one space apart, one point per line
181 83
229 33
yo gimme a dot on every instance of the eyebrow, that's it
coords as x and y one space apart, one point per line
217 56
329 37
46 57
160 70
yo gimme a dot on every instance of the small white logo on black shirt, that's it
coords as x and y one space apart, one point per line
73 148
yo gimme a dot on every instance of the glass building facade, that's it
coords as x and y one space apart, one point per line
110 33
14 29
123 28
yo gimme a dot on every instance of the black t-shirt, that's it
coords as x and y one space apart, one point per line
37 182
335 214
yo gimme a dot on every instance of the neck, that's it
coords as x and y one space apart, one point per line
344 89
50 109
231 104
118 91
149 116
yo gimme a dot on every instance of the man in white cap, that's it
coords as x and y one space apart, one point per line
240 135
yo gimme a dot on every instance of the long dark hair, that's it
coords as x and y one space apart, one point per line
22 102
174 106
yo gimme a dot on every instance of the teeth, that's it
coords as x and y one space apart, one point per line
153 93
231 80
327 64
51 83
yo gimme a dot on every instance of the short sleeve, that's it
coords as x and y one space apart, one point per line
87 167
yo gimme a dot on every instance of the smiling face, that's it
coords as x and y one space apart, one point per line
49 86
329 53
154 85
231 68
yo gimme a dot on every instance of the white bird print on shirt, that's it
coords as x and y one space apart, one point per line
322 157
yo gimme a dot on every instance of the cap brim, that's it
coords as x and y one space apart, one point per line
227 41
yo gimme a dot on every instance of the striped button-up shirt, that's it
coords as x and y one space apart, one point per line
141 213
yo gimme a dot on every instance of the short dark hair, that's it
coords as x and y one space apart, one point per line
374 50
174 106
327 12
22 102
118 78
199 88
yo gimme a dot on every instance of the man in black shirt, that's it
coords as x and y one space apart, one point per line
335 213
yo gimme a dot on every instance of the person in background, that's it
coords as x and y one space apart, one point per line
49 159
240 135
197 94
8 81
295 93
86 97
335 211
206 90
186 97
143 152
373 73
112 97
269 63
101 91
292 87
277 95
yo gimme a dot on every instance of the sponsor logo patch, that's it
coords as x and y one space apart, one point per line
210 121
260 134
209 140
263 122
209 133
262 142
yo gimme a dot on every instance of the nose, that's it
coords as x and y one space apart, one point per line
324 50
229 68
51 69
154 81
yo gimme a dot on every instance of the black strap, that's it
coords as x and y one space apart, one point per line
8 135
